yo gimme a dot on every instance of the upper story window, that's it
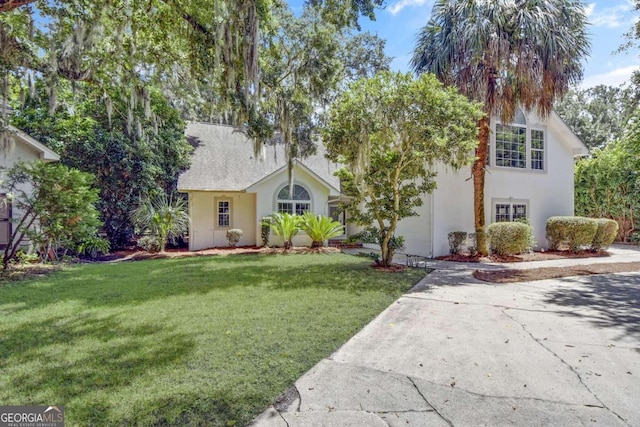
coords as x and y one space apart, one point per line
519 146
297 202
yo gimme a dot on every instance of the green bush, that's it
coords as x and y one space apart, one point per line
456 240
93 245
286 226
575 231
265 230
233 236
320 228
509 238
149 243
472 244
605 234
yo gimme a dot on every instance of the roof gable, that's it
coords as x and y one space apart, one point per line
44 153
224 160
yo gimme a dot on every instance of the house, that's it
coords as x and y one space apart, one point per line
229 186
529 174
17 146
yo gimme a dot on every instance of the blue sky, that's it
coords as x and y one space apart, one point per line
401 20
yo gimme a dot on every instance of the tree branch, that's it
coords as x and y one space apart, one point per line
7 5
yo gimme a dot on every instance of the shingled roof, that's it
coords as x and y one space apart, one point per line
224 160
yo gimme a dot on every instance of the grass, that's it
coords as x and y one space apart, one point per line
185 341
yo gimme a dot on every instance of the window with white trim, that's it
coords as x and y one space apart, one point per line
296 202
224 213
506 211
519 146
537 149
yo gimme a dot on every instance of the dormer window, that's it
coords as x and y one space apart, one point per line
519 146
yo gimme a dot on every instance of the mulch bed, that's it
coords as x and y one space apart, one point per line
137 255
528 275
533 256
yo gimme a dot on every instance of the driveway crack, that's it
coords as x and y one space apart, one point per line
448 421
564 362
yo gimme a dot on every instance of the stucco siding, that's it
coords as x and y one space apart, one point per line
267 190
546 193
205 232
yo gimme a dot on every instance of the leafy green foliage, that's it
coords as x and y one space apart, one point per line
510 238
164 217
126 169
577 232
56 207
94 245
302 66
598 115
320 228
265 230
607 184
387 130
605 234
286 226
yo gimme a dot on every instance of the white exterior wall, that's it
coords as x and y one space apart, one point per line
204 232
20 151
267 190
547 193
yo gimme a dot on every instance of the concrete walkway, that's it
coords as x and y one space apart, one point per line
459 352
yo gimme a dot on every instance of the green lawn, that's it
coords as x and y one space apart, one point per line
187 341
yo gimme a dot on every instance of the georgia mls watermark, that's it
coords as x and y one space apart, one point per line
31 416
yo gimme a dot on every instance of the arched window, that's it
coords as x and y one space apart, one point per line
297 202
516 141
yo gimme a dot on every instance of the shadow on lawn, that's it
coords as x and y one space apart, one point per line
62 358
137 282
607 301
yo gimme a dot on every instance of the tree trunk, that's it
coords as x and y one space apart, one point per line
478 172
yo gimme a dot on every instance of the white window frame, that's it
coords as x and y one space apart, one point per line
528 161
511 202
296 206
218 213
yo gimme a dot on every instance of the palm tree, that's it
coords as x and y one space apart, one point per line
164 217
505 54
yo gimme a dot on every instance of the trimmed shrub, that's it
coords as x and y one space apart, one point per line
456 240
472 244
605 234
233 236
509 238
576 231
149 243
265 230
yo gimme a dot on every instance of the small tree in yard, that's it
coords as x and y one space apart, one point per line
388 130
163 217
320 228
55 205
286 226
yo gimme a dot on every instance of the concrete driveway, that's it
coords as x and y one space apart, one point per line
459 352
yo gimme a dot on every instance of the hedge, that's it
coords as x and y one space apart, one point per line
577 232
605 234
510 238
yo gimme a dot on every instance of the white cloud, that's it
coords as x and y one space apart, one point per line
395 8
612 78
609 17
